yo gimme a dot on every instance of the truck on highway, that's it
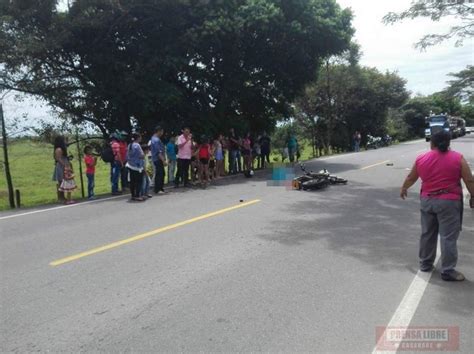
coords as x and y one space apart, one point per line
437 123
460 127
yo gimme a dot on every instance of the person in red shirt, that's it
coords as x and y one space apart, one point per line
441 171
204 155
91 161
123 156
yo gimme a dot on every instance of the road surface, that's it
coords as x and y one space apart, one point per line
199 270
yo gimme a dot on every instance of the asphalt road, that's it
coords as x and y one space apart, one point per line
288 272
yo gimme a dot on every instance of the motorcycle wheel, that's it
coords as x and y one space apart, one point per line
337 180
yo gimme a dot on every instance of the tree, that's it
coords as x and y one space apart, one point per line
359 99
210 64
462 86
436 10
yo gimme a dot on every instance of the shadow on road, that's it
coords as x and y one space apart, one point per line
372 225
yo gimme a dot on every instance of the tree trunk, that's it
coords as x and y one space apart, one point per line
329 108
11 192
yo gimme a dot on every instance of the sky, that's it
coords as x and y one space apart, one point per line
384 47
391 47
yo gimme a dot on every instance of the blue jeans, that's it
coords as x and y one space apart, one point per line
234 161
115 172
171 170
357 146
145 185
90 185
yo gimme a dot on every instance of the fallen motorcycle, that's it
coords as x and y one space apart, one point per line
314 181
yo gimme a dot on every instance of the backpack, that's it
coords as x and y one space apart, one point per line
107 154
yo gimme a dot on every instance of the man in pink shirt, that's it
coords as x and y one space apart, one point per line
441 171
184 157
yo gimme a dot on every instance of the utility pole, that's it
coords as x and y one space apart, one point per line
11 193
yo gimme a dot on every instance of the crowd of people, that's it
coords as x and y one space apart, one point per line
141 166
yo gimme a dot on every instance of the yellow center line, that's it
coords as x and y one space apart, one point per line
149 234
374 165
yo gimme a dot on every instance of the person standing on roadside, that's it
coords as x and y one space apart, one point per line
172 158
292 147
91 161
60 162
159 160
357 138
265 149
122 141
247 152
235 164
219 156
117 165
185 145
441 171
135 164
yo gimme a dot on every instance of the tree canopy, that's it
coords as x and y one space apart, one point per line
462 10
206 63
346 97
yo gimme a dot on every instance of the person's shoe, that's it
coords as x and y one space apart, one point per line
161 192
453 276
138 199
149 196
117 193
426 268
70 202
92 198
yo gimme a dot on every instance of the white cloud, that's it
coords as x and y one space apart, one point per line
392 47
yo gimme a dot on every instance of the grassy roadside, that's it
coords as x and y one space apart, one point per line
31 165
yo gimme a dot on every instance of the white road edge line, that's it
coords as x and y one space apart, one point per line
59 207
408 306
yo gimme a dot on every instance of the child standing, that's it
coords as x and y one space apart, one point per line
68 184
90 161
204 154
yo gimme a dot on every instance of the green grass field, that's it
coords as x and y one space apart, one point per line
31 165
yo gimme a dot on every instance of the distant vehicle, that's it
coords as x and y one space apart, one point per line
387 140
460 126
373 142
438 123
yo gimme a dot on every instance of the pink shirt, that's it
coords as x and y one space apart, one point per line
116 150
184 152
440 171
